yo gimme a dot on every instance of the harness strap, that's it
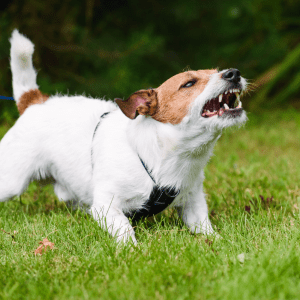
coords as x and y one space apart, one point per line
160 198
102 116
149 172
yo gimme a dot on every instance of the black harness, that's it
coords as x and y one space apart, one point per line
160 197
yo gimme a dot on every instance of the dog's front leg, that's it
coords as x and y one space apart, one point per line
194 212
112 219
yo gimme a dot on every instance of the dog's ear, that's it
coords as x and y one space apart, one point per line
143 102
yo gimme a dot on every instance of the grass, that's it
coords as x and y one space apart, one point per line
252 183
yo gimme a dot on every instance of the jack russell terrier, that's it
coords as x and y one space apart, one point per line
128 159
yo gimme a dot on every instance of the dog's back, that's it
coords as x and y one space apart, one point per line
35 146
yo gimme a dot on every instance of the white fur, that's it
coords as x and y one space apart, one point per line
23 73
55 139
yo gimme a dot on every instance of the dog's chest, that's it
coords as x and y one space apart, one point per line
119 171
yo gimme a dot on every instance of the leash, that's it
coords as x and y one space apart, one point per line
160 197
6 98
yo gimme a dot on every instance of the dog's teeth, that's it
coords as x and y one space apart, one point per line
237 101
225 92
220 97
226 106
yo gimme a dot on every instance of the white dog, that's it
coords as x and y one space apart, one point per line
129 159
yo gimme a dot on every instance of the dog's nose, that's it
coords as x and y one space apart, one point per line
233 75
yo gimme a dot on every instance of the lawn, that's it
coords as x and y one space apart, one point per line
252 186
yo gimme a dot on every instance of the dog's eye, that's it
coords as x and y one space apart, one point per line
189 84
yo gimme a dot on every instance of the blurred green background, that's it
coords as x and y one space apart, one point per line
113 48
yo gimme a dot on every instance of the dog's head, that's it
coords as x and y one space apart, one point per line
205 96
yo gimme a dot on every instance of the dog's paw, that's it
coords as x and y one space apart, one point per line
207 231
204 228
126 236
214 235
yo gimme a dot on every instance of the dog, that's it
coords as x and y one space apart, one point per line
125 159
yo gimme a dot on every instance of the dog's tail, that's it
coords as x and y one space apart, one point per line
25 89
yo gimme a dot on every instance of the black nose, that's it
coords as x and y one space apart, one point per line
233 75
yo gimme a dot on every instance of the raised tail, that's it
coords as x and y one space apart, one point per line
25 89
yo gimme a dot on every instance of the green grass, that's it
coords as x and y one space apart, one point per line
252 186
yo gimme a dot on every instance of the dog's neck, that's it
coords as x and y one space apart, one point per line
174 155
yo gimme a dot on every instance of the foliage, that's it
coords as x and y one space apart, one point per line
285 83
113 48
253 195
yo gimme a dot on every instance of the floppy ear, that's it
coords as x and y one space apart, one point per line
143 102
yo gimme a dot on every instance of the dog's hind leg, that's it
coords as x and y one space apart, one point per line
17 165
13 181
62 193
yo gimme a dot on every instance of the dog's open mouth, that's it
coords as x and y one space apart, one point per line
227 104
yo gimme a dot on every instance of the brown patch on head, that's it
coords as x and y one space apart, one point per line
170 102
174 99
29 98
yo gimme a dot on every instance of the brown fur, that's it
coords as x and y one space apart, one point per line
29 98
173 101
150 106
170 102
143 102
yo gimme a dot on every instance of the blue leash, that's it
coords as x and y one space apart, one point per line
6 98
